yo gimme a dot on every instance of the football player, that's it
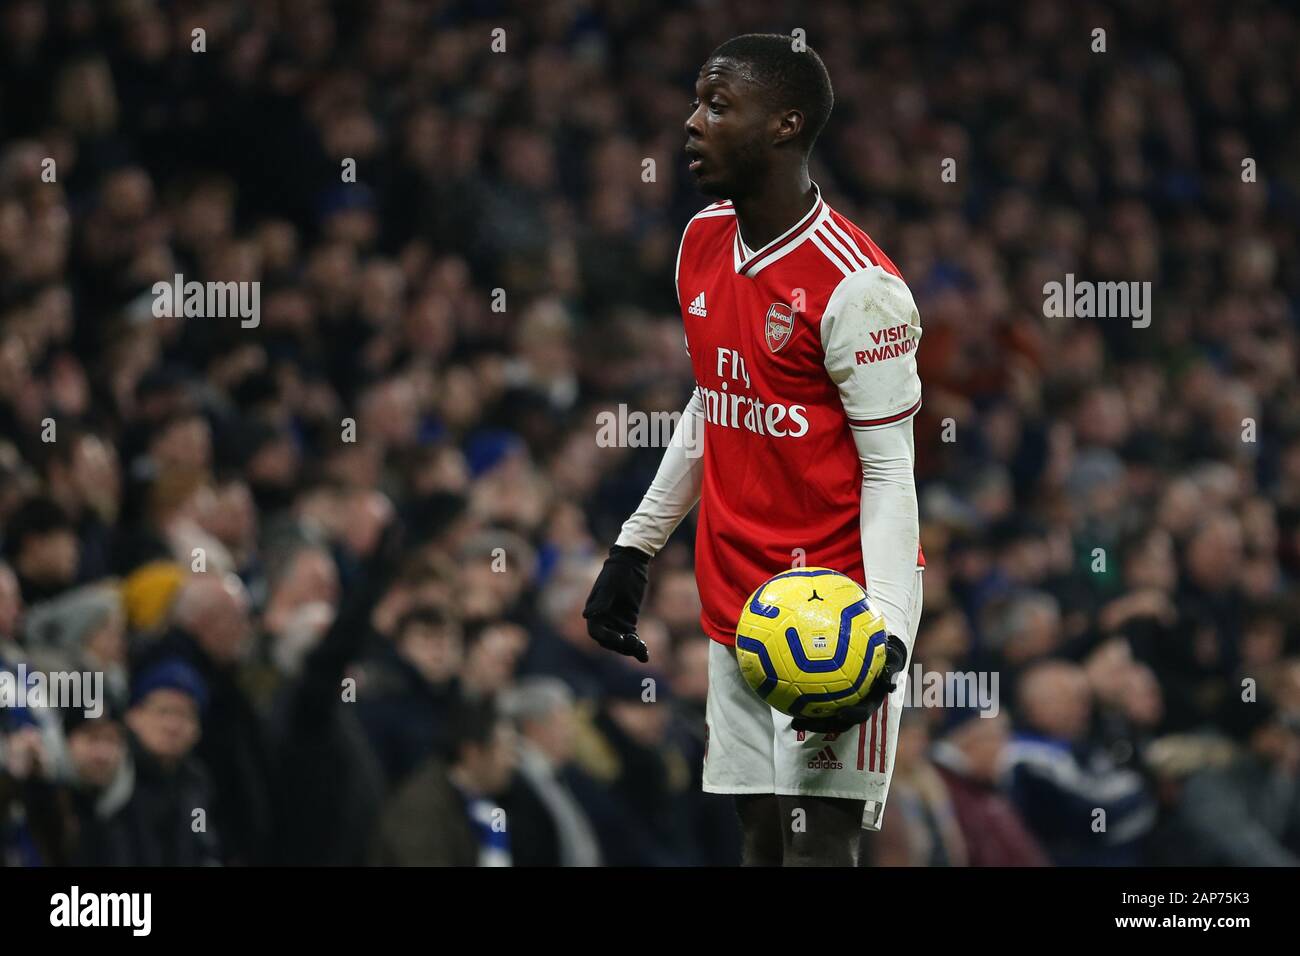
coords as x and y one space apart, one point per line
802 337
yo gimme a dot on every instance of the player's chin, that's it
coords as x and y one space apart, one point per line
713 184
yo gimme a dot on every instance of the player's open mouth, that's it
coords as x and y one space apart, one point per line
695 160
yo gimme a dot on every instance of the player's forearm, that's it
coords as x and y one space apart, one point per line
889 523
676 486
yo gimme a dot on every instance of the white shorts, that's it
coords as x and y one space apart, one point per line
751 748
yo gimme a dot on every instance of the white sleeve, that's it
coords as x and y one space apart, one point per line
889 523
870 331
676 486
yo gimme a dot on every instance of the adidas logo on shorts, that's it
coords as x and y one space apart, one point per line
825 760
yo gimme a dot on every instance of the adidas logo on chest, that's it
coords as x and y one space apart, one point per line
697 307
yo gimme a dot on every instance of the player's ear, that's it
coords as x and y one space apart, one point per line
788 126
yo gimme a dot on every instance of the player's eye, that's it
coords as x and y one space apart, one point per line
715 106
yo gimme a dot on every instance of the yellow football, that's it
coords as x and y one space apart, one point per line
809 643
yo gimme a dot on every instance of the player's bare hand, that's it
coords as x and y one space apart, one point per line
615 602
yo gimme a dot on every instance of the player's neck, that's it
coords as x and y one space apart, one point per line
772 209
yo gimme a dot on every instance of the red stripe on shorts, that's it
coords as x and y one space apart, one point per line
872 765
884 736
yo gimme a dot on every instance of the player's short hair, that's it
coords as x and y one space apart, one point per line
788 77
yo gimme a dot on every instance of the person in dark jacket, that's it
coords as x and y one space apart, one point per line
405 691
332 785
83 475
548 826
447 813
635 775
170 819
42 546
1082 808
714 825
1246 810
210 632
99 777
968 757
32 831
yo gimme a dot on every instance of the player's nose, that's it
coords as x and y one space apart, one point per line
693 128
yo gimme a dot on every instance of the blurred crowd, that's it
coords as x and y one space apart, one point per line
332 567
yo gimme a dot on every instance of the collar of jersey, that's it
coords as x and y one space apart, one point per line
750 262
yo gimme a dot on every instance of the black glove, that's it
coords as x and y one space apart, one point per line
883 686
615 601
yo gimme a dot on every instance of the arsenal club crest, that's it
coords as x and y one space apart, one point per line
779 326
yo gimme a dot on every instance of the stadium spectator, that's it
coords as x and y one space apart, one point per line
969 757
405 692
1246 810
1128 708
83 477
83 629
302 596
172 812
446 813
210 634
101 777
331 785
711 817
492 654
31 828
548 826
634 774
1083 809
926 830
43 550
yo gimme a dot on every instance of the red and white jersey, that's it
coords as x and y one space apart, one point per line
792 345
